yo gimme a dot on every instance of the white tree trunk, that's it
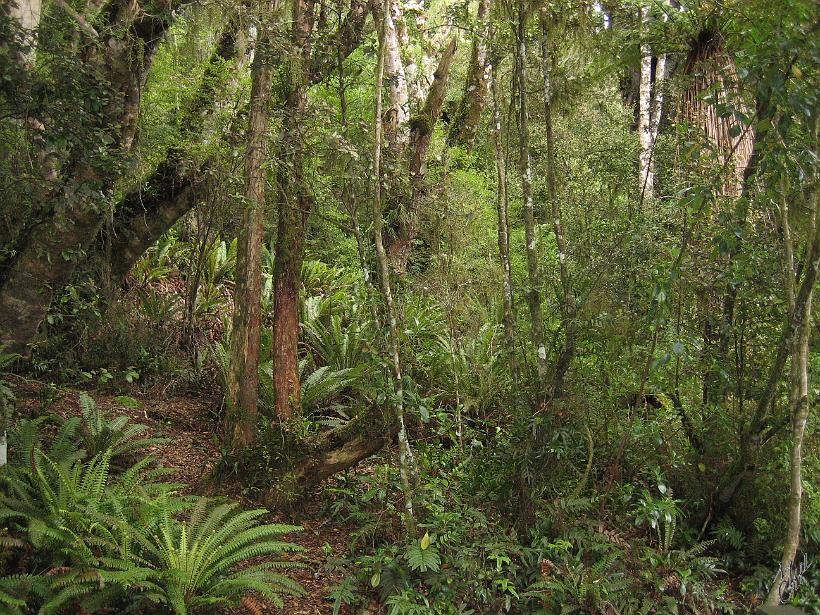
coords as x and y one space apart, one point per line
27 13
406 459
394 70
647 173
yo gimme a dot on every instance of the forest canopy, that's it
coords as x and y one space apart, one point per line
409 306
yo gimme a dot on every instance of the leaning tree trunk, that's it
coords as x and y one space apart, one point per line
243 380
530 227
150 210
464 126
294 208
52 250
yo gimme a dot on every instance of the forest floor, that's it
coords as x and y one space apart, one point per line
192 452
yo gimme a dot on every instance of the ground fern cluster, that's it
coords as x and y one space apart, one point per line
101 527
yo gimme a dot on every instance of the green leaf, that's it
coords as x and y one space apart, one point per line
422 560
425 540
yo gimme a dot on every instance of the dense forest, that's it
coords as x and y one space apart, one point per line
409 306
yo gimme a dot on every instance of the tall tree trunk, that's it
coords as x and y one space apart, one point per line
421 133
502 208
798 403
243 384
396 128
530 227
646 165
294 208
464 125
406 461
568 308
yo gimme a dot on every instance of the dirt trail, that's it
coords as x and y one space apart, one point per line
192 451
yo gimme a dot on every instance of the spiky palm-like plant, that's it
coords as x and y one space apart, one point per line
198 562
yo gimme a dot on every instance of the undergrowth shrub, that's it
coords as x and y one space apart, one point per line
81 534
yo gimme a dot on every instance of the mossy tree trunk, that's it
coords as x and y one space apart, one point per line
294 208
464 126
243 378
76 206
530 226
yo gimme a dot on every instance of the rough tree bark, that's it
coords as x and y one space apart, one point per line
243 378
530 227
294 207
51 250
464 125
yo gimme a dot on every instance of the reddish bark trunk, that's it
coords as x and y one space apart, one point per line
243 385
294 208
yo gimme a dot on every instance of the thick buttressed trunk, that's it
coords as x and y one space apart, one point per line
294 208
52 250
421 133
467 118
530 226
243 380
502 209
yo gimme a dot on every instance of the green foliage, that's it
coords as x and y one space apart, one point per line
109 538
195 562
116 436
